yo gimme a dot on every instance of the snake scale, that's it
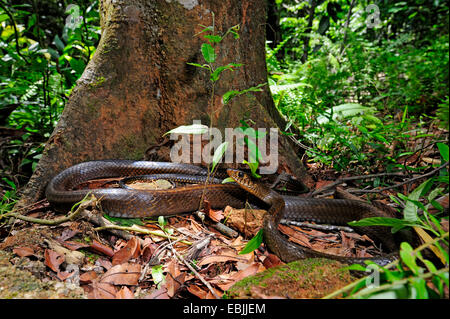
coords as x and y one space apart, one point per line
132 203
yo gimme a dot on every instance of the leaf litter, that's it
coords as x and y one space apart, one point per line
145 266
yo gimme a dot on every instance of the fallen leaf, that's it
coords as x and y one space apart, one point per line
102 262
347 242
63 275
272 261
148 251
23 251
124 293
53 260
70 256
130 251
249 271
73 245
67 233
218 259
102 290
197 291
174 278
209 295
246 221
160 293
101 248
88 277
123 274
322 183
295 236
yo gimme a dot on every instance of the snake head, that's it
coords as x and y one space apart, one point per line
246 182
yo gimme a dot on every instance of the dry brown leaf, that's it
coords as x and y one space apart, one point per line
197 291
66 234
23 251
53 260
295 236
195 226
217 259
347 242
101 248
246 221
102 262
130 251
160 293
102 290
174 278
124 293
239 275
322 183
123 274
272 261
210 295
88 277
73 245
63 275
70 256
216 215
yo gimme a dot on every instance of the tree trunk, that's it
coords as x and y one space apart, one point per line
138 84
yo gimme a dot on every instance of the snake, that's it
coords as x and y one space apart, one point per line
127 202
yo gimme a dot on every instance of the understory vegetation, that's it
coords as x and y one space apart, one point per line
364 88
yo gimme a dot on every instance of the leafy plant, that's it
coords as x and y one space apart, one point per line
415 276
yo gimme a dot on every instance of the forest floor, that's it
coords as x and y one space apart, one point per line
176 257
187 256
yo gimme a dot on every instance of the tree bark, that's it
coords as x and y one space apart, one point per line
138 84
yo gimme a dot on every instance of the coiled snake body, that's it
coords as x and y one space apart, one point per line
128 203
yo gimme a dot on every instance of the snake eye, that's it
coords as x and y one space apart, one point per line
240 174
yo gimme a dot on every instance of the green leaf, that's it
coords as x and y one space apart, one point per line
189 129
253 243
158 275
213 38
124 221
58 43
253 151
206 29
218 153
208 53
408 257
443 149
204 66
411 206
251 132
229 95
228 180
344 110
383 221
162 221
253 167
216 74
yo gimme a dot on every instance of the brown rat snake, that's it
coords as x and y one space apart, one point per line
128 203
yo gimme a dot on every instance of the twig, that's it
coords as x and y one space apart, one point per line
141 230
196 273
315 226
352 178
57 221
358 191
